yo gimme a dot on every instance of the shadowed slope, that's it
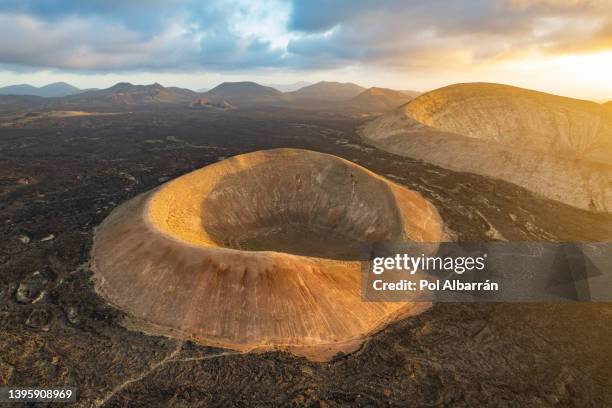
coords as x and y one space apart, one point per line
200 257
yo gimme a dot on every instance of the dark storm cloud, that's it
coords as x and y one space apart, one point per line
98 35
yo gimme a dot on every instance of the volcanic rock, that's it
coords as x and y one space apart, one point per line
46 238
24 239
558 147
6 372
39 319
211 104
259 252
30 288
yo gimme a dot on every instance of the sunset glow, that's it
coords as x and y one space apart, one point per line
558 46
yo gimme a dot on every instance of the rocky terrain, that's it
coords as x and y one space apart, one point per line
207 103
62 176
11 104
558 147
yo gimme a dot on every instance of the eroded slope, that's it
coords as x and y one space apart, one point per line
558 147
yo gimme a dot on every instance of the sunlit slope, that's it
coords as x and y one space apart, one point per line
558 147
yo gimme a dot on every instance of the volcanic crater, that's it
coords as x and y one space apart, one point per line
259 252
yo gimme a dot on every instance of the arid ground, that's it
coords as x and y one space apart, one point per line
60 176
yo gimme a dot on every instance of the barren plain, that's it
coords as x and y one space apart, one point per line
62 176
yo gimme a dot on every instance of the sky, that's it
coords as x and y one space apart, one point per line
558 46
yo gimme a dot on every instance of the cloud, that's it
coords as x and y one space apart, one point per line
142 16
450 32
131 35
184 35
223 49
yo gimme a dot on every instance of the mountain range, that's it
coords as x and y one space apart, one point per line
494 130
125 93
54 90
228 95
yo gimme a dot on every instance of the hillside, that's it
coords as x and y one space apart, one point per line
558 147
54 90
237 93
125 93
380 99
327 91
10 103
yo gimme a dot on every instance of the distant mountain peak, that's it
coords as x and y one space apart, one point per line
380 99
56 90
59 83
240 84
121 86
328 90
244 91
125 93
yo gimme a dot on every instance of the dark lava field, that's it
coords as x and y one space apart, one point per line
60 177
